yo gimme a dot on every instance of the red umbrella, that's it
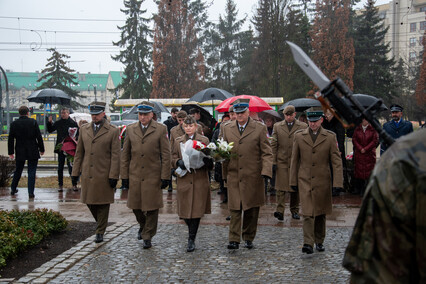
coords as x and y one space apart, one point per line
256 104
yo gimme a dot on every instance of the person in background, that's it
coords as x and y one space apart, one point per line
97 159
397 127
193 189
61 127
365 140
172 120
246 172
145 162
302 118
388 241
333 124
315 168
269 122
218 165
25 144
282 145
196 113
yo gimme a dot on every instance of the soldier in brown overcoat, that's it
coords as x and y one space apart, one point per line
245 173
314 150
178 131
282 144
146 164
97 158
193 189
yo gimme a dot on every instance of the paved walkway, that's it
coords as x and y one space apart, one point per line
276 257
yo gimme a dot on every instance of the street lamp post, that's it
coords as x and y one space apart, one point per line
7 102
94 89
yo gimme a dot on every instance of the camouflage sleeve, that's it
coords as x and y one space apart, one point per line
387 244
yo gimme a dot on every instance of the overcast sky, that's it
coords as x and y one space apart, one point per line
29 27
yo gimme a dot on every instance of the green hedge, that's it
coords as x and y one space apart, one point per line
22 229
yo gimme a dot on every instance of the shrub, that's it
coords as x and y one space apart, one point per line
21 229
7 166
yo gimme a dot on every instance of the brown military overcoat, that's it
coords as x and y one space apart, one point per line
97 158
310 170
178 131
253 158
193 189
145 161
282 145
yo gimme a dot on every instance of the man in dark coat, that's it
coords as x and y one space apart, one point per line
397 127
172 120
61 127
333 124
29 146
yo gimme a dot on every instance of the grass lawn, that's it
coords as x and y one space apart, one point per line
46 182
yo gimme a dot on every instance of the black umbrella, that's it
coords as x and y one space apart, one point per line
50 96
132 114
301 104
206 117
270 113
367 101
210 94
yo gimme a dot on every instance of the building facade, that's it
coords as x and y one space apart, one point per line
407 24
90 86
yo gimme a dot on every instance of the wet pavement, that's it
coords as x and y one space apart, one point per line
277 255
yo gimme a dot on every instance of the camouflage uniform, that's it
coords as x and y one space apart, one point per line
388 244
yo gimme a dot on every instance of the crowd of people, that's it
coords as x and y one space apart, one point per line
306 160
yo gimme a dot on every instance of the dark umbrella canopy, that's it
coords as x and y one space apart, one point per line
206 117
301 104
210 94
132 114
50 96
366 101
270 113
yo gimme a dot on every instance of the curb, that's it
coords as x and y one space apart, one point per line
51 269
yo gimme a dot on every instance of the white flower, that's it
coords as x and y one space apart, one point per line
212 146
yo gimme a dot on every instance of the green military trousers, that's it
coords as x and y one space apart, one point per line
249 223
148 221
100 212
294 201
313 229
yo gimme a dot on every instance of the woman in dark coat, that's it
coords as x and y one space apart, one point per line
193 189
365 140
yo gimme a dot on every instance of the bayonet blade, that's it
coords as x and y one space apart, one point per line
308 66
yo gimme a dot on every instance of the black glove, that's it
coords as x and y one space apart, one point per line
164 183
125 183
74 180
112 182
337 189
295 187
265 177
208 162
181 164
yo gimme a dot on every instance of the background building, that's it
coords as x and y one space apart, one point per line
407 24
90 86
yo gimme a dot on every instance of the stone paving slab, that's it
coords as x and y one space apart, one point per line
276 258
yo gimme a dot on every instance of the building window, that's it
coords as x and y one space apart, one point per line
412 41
412 55
423 25
412 27
421 40
423 9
